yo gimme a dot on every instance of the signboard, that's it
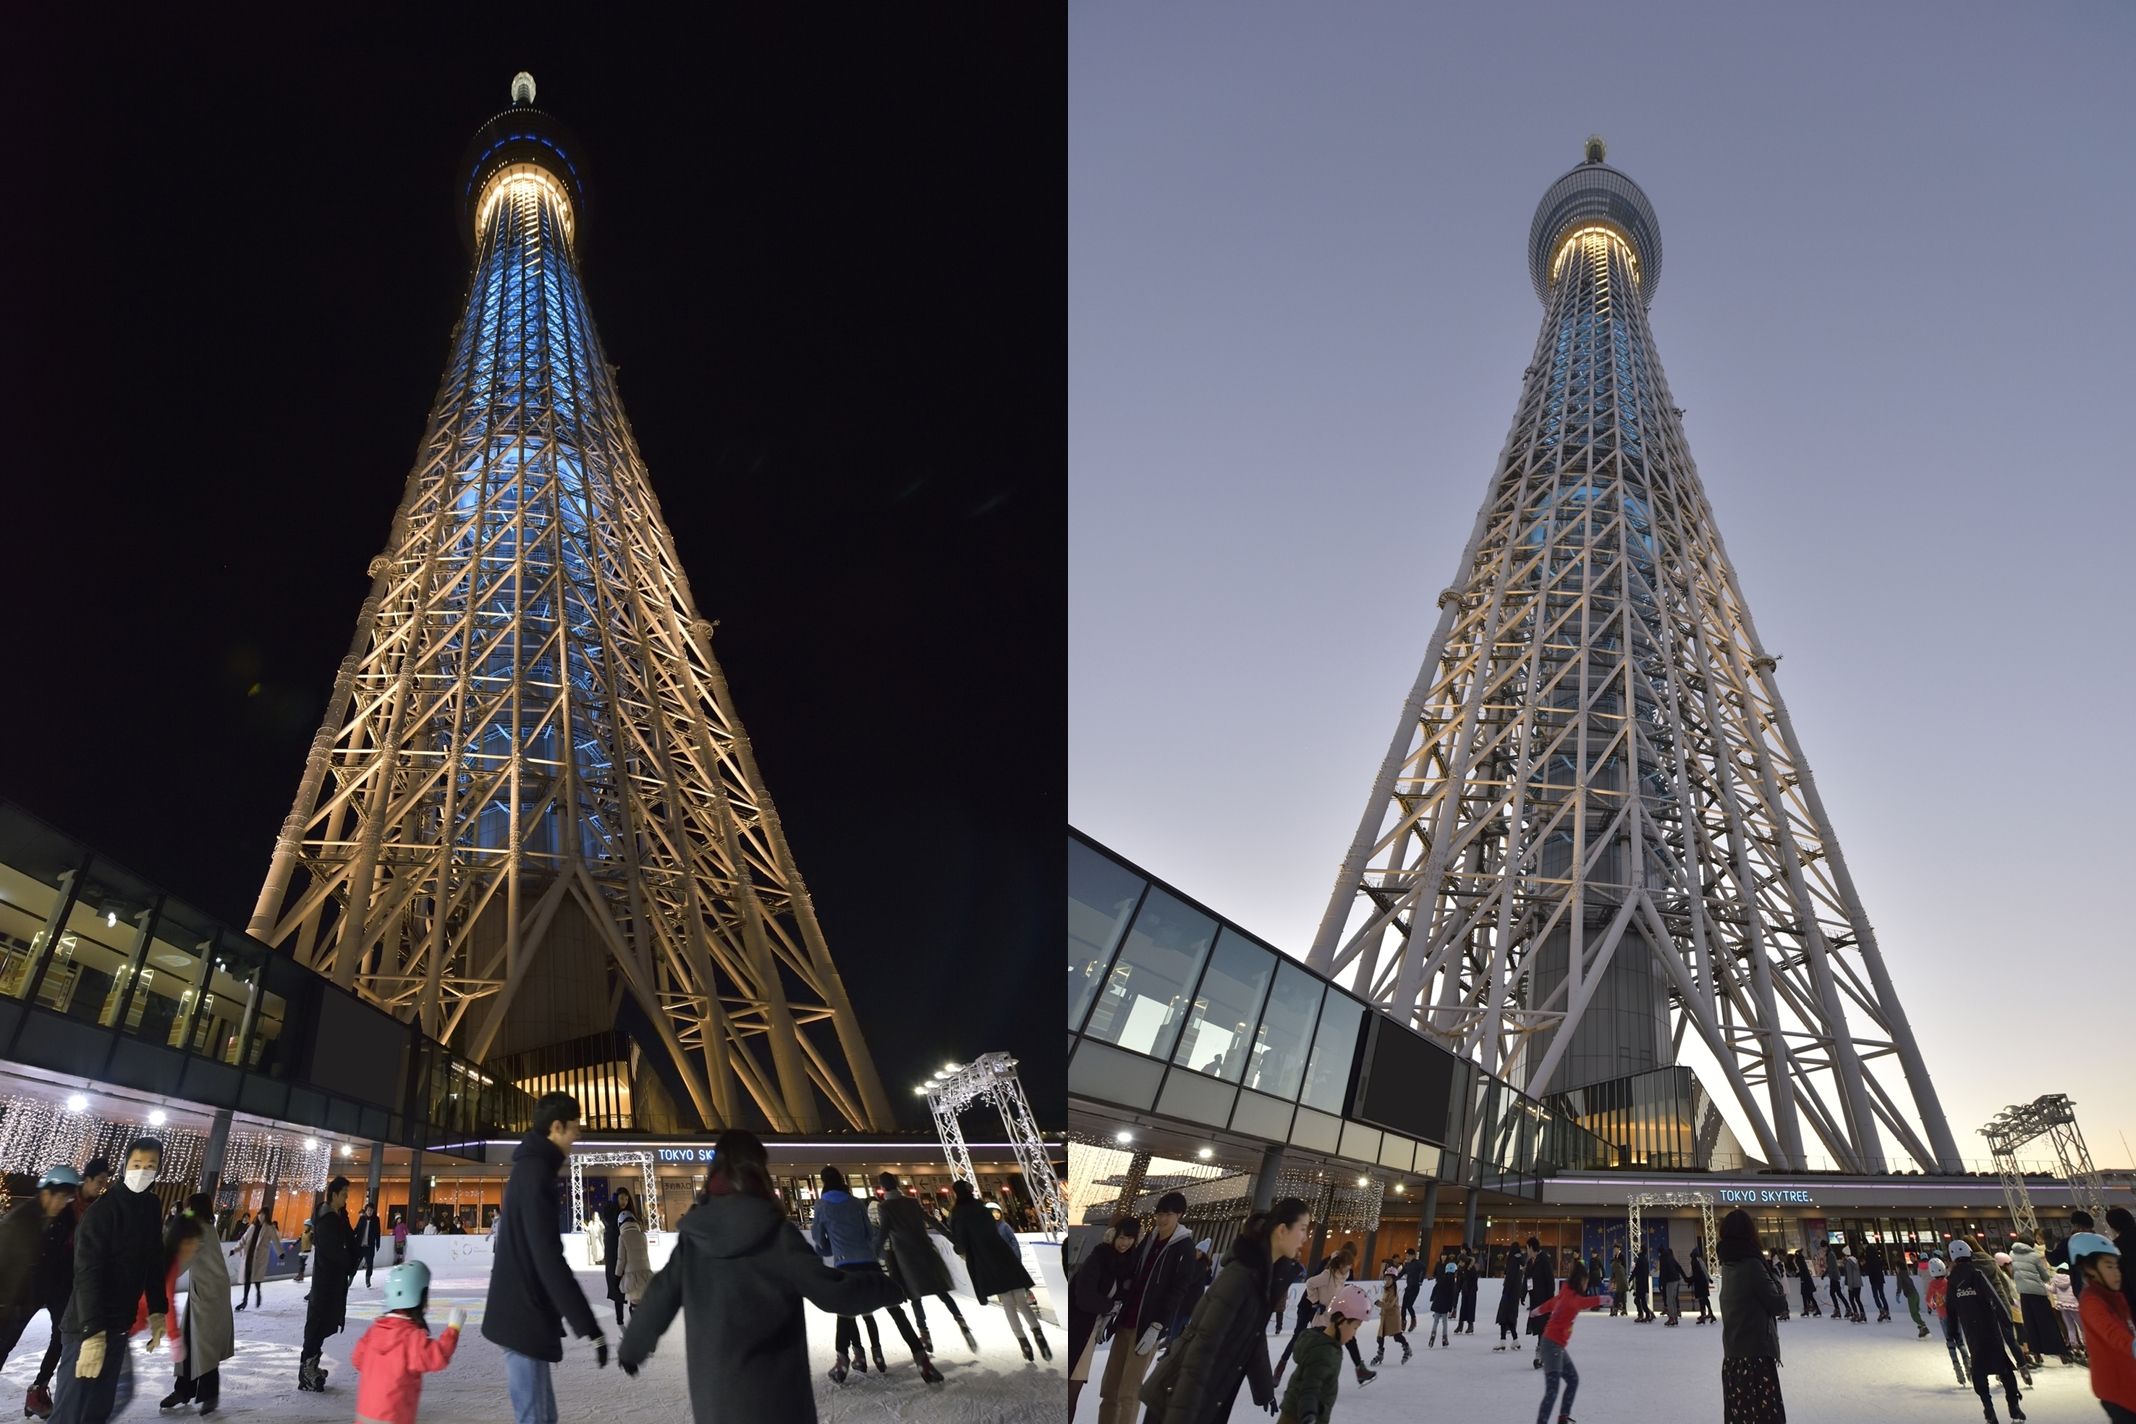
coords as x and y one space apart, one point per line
682 1154
1764 1196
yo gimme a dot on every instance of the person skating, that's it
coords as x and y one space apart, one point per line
1773 1269
611 1248
1640 1276
1553 1352
1445 1297
1509 1294
1835 1278
37 1272
2065 1305
1617 1280
255 1255
1672 1286
1311 1396
739 1274
905 1236
1390 1321
367 1238
118 1260
1853 1270
2034 1279
1320 1292
392 1356
1905 1276
1702 1285
1221 1349
327 1308
2109 1328
1752 1302
1808 1277
1471 1282
532 1292
1996 1272
1873 1268
1542 1287
209 1330
1938 1298
997 1270
844 1234
1984 1320
1414 1272
1091 1290
2121 1222
1158 1276
637 1270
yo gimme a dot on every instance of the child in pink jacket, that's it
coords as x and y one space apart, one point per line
397 1351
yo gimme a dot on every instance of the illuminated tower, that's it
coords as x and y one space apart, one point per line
1595 832
532 821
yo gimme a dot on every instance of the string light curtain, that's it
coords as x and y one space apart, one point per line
35 1134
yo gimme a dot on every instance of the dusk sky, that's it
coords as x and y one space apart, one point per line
1897 306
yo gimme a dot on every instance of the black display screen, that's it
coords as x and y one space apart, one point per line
1408 1084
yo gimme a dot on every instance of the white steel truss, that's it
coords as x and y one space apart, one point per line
1637 1205
2053 1117
531 783
649 1199
991 1078
1594 793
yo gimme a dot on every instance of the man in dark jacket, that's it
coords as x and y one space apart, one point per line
1155 1280
367 1239
1542 1284
1413 1274
740 1271
531 1290
904 1241
333 1266
118 1258
37 1271
1978 1307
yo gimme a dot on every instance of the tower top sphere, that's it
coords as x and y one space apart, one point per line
522 88
514 139
1595 195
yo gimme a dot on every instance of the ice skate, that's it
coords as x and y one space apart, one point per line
1365 1377
1430 1342
1499 1348
1026 1348
971 1341
880 1367
838 1371
928 1373
1379 1354
37 1403
1406 1352
1045 1351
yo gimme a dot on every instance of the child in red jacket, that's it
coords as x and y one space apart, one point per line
397 1351
2109 1334
1564 1308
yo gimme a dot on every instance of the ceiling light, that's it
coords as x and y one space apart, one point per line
346 1150
111 917
311 1144
76 1102
1123 1135
158 1118
1398 1189
1360 1181
1206 1153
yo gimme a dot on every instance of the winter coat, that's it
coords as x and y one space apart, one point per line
1853 1269
1752 1303
1221 1346
1390 1308
1617 1276
366 1233
36 1267
1198 1280
1156 1278
1671 1272
1542 1286
1445 1290
738 1276
905 1239
391 1360
842 1229
1981 1314
1471 1281
1090 1293
335 1262
118 1258
210 1327
993 1267
2029 1270
532 1291
635 1271
256 1250
2108 1333
1316 1371
1414 1273
1509 1294
2064 1294
1560 1311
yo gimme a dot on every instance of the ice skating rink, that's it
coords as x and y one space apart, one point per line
993 1387
1649 1374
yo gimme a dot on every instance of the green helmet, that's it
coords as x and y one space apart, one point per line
406 1285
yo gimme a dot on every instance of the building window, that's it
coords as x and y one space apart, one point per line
1327 1072
1101 896
1286 1031
1220 1024
1144 1000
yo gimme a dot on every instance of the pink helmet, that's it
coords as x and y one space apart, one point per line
1351 1303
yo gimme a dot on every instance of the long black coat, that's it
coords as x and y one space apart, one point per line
739 1274
1222 1344
1981 1315
1752 1303
1090 1293
118 1258
906 1243
1542 1284
1471 1281
36 1267
987 1258
532 1291
1509 1292
333 1263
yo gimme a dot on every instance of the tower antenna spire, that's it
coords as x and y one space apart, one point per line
523 90
1596 148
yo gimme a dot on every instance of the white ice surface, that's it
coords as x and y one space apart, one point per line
260 1382
1830 1373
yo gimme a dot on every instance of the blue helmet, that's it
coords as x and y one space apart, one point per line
406 1285
59 1174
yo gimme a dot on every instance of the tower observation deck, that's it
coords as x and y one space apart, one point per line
531 820
1595 834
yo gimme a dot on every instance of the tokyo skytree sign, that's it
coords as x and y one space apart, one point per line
1595 832
532 805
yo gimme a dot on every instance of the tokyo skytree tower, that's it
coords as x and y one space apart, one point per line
1595 832
531 817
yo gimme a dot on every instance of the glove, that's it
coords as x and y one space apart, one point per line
155 1331
1148 1342
90 1363
455 1318
600 1350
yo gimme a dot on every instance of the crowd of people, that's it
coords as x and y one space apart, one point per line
1187 1337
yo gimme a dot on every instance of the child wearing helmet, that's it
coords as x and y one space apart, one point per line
2109 1331
1317 1357
397 1351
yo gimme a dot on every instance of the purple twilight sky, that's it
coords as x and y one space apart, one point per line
1898 306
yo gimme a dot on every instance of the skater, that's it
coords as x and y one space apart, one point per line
1552 1353
1995 1268
1509 1302
1471 1282
1320 1291
844 1234
1616 1283
1198 1380
255 1254
1984 1320
1287 1271
1873 1268
739 1274
1672 1286
1640 1277
532 1292
1091 1290
1752 1300
611 1246
1414 1270
1199 1274
1390 1322
1803 1273
397 1351
997 1270
2064 1295
1938 1297
1702 1285
2109 1329
118 1259
210 1329
1853 1269
909 1255
1905 1276
1835 1276
367 1240
1158 1275
1311 1396
37 1272
328 1306
637 1263
1445 1297
1542 1288
2035 1301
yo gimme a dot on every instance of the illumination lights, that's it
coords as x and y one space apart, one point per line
311 1144
1206 1153
158 1118
1123 1137
77 1102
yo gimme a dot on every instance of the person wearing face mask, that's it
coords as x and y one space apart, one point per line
328 1306
37 1271
118 1259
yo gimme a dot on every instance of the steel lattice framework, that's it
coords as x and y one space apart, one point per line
991 1078
1637 1205
2053 1117
648 1199
1594 794
530 763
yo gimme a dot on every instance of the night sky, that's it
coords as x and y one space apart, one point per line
828 262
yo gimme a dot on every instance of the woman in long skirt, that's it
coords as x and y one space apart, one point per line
1752 1303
